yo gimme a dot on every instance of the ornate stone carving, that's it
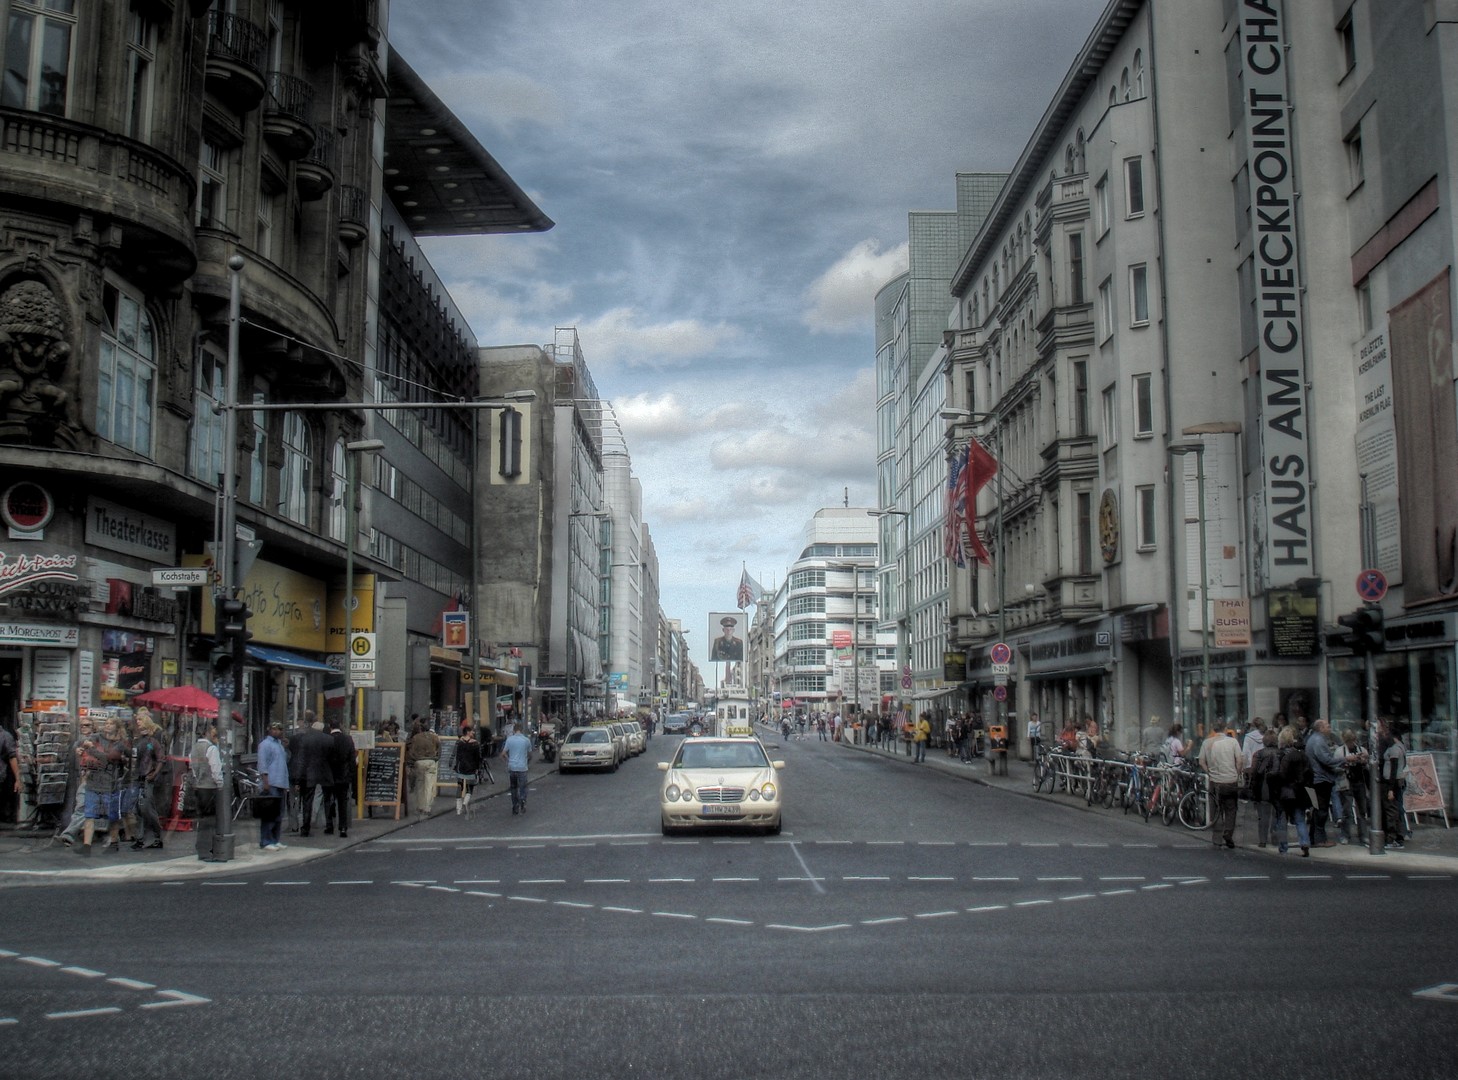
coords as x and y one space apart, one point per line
35 408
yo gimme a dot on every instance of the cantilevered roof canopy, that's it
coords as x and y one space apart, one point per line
441 179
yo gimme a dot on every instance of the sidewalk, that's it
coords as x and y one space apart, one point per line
29 857
1431 849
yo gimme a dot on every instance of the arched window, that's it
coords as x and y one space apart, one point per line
1113 96
1079 151
297 473
1139 73
338 497
1124 85
127 375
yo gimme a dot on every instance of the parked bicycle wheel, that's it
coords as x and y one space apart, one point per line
1169 804
1195 810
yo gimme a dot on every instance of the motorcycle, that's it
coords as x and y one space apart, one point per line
547 745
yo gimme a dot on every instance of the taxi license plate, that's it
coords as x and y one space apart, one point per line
721 810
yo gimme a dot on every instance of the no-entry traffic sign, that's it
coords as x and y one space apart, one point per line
1371 585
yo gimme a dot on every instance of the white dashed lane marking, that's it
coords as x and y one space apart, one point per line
100 980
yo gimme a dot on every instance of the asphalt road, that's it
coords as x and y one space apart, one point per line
905 924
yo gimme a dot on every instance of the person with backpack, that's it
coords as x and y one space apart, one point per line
1325 769
1392 763
1265 785
1292 769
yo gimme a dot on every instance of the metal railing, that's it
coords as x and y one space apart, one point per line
290 95
235 38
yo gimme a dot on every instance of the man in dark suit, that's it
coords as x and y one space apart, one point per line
315 771
341 763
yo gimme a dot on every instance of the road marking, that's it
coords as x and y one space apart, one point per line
867 877
987 907
729 922
605 881
8 1020
805 867
674 915
1079 896
995 879
735 879
1141 845
1059 879
85 973
477 847
1040 843
177 997
362 881
477 892
436 848
1031 903
1116 892
1247 877
132 984
931 879
571 903
881 922
830 843
936 843
808 929
987 843
1369 877
590 843
524 847
442 888
286 883
543 881
1100 844
746 841
478 881
670 881
1441 992
933 914
624 910
1137 877
1308 877
528 899
82 1012
39 961
884 843
223 884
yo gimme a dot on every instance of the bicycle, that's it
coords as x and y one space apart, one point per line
1195 805
1042 768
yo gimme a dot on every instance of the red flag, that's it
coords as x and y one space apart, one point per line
981 468
954 521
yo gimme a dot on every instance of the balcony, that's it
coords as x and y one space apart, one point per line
353 214
236 48
147 223
314 173
286 112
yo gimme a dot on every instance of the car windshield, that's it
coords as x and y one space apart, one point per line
722 755
587 736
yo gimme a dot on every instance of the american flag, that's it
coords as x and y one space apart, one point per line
955 522
749 590
968 473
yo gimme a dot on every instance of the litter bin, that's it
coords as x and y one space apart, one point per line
997 748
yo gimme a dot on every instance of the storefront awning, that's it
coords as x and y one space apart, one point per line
929 695
279 658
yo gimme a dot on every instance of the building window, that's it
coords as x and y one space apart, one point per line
1143 406
1364 305
1134 187
338 497
258 456
1348 38
1356 171
1106 308
128 372
1139 295
1138 73
266 239
38 55
1145 522
1111 418
1101 205
1075 268
212 184
1080 398
294 479
141 54
1083 542
205 455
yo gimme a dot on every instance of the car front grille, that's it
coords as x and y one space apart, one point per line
721 794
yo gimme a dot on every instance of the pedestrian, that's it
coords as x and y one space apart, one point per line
518 753
1174 744
316 775
72 831
1293 792
468 763
921 736
1265 785
422 762
147 771
341 769
1325 769
1250 745
273 780
1151 739
1035 735
206 766
1357 798
292 744
103 758
1223 760
1392 772
9 777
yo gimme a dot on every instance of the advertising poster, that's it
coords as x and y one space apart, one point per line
726 637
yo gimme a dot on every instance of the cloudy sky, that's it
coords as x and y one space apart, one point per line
730 181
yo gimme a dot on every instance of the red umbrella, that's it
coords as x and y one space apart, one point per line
179 699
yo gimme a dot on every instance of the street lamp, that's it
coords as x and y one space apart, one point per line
967 416
352 450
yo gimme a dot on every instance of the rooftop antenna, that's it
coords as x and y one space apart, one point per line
845 499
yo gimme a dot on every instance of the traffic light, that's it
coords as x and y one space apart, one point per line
1364 632
233 616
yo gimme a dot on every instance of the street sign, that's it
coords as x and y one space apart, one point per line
180 576
361 667
906 682
1372 585
999 693
362 647
1000 653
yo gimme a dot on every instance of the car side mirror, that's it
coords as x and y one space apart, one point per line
778 764
663 766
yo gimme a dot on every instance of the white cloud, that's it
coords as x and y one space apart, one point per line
842 299
627 337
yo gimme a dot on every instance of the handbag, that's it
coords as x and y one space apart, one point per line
267 807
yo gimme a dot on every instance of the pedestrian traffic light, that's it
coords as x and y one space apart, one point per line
1364 632
233 616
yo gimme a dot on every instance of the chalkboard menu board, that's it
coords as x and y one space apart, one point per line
446 775
382 770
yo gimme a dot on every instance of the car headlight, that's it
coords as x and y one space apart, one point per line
767 792
671 793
